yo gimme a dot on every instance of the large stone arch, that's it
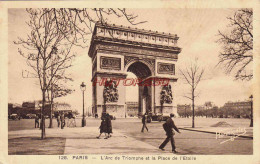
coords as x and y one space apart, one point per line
115 50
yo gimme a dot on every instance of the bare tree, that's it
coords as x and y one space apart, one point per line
53 34
58 89
237 45
192 74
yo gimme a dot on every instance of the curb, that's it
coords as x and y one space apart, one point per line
242 136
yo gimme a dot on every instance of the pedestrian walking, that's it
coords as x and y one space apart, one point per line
103 127
63 123
71 120
36 121
144 120
58 120
168 127
109 125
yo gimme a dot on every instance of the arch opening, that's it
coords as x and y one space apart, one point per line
140 69
142 94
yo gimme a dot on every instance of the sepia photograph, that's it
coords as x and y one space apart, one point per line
125 81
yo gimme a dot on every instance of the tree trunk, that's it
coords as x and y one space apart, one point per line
51 125
193 112
42 116
43 100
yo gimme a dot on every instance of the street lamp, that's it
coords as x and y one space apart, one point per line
251 122
83 88
185 111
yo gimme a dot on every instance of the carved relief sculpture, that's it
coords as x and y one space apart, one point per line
166 68
110 63
166 95
110 92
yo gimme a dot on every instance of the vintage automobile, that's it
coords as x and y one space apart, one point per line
30 116
14 117
154 117
163 117
148 119
160 117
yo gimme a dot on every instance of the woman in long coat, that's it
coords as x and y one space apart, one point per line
103 128
109 125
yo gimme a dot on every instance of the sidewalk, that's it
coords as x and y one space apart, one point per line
83 141
80 140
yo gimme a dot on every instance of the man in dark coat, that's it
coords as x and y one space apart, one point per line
58 119
168 127
36 121
62 118
144 119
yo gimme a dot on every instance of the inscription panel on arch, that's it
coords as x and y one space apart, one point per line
166 68
110 63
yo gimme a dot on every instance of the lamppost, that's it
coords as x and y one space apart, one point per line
83 88
251 122
185 111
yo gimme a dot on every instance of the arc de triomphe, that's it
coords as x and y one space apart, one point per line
116 50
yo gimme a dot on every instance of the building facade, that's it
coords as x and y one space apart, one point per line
237 109
132 109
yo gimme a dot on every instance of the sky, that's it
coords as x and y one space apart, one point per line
197 29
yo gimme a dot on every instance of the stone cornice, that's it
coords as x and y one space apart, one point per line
131 49
136 43
134 30
136 38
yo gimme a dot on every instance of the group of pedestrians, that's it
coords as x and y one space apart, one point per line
105 126
61 120
168 127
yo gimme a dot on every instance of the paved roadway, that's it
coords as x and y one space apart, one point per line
187 142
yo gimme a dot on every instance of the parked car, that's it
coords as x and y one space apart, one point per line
30 116
149 118
160 117
163 117
14 117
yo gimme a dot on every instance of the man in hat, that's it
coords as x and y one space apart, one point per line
36 124
58 119
144 120
168 127
62 118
